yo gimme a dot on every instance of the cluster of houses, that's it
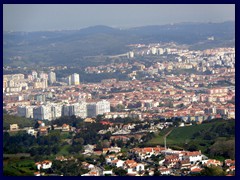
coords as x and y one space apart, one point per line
169 162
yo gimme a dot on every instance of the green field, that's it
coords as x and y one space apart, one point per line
16 166
180 137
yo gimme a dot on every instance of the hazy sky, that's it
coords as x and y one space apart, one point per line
33 17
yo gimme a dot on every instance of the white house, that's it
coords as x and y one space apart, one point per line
107 172
110 158
44 164
118 163
193 157
164 171
31 132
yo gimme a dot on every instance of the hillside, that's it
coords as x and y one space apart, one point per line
21 121
215 138
73 46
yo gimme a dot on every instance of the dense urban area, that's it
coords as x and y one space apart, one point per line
159 109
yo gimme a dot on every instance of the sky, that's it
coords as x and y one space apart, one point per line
41 17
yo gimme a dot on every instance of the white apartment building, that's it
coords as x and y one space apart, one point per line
79 109
75 80
25 111
66 110
52 77
42 112
56 111
98 108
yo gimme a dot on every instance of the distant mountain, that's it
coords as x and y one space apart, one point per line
71 46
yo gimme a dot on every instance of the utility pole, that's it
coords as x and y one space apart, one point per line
165 139
165 142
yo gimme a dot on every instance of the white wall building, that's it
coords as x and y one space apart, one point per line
75 80
56 111
98 108
42 112
25 111
51 77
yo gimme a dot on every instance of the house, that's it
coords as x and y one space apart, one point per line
164 171
111 149
89 120
87 165
61 158
14 127
98 153
37 173
212 162
110 158
185 164
194 157
229 162
195 170
32 132
147 152
117 163
91 173
171 160
133 167
65 128
232 168
46 164
43 131
107 172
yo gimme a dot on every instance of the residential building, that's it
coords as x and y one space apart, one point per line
98 108
25 111
75 80
51 77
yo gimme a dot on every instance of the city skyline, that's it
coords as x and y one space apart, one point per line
48 17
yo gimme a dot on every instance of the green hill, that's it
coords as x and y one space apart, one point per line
21 121
212 138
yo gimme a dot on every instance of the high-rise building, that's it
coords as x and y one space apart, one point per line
56 111
130 54
43 75
160 51
66 110
34 74
98 108
44 83
51 77
154 50
75 80
42 112
79 109
25 111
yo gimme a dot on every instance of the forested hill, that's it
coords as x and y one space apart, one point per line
71 46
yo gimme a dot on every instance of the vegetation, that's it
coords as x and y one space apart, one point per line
214 138
18 166
80 47
212 171
21 121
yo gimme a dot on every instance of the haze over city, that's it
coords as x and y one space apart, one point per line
41 17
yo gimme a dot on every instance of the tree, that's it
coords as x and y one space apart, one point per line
120 171
192 147
212 171
156 172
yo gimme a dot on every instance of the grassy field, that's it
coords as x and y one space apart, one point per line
64 150
16 166
183 135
